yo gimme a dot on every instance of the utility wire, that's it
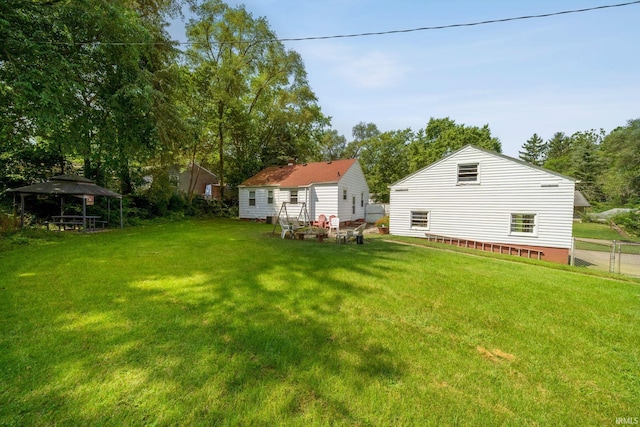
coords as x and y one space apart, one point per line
382 33
470 24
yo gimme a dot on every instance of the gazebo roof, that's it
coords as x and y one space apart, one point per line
67 184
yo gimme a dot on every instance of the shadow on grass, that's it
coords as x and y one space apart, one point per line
184 327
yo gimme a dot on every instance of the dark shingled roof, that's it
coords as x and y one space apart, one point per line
66 184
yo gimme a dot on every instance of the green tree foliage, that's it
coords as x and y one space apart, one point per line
249 96
533 151
79 80
443 136
332 146
621 180
362 132
384 160
558 156
586 163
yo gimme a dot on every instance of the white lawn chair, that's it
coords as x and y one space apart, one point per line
358 232
334 225
287 227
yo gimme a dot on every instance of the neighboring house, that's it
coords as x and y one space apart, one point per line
580 205
479 195
336 188
197 180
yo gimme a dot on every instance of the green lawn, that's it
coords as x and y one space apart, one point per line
216 322
594 230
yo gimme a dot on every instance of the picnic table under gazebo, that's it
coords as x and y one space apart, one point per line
69 185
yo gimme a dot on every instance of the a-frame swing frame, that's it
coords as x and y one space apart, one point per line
303 213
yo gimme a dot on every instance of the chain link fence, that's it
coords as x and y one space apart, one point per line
607 255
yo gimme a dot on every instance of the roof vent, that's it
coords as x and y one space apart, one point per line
329 162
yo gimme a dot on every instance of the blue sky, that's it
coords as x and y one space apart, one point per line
563 73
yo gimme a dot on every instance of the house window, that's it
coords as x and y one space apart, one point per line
362 200
252 198
468 173
344 194
420 219
270 197
523 223
353 205
293 197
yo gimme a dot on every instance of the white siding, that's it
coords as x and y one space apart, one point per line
325 200
356 185
262 209
294 210
483 211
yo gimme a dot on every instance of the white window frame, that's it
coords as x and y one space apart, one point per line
270 197
252 200
417 219
521 224
467 172
344 194
292 200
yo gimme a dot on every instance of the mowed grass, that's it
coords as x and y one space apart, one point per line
594 230
217 323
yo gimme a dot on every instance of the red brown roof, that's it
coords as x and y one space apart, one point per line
301 175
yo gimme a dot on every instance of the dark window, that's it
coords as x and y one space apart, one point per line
468 173
420 219
523 223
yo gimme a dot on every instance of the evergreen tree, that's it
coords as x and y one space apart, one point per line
533 150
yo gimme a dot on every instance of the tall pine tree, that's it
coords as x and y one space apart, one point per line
533 150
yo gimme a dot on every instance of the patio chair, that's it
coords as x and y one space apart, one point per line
321 222
287 227
358 233
334 224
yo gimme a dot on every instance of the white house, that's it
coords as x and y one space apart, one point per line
485 197
336 188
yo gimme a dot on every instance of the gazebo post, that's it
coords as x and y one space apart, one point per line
84 212
21 210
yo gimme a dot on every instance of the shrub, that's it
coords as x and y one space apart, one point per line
629 221
383 222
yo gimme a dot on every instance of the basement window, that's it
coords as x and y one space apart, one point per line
468 173
420 219
523 224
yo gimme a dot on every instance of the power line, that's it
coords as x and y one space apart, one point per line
469 24
381 33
